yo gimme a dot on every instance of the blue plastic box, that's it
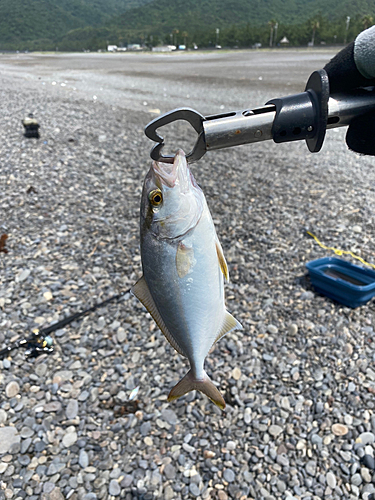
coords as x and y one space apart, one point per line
342 281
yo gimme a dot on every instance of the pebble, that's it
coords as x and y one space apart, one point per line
3 416
69 439
194 489
169 416
53 406
275 430
169 494
339 429
114 488
229 475
272 329
292 330
169 471
23 275
348 419
222 495
365 438
26 432
331 480
356 479
71 409
12 389
310 467
209 454
121 335
8 438
230 446
83 459
366 475
148 441
236 373
247 416
368 461
188 448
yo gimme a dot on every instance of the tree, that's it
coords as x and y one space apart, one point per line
175 32
314 25
185 34
367 21
272 24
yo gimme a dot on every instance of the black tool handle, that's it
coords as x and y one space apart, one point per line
303 116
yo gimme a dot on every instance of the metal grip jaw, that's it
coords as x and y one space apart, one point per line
303 116
191 116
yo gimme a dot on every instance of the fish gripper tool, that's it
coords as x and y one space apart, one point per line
300 116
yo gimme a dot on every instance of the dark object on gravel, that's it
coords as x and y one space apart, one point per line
31 126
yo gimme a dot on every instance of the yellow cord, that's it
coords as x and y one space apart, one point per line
340 252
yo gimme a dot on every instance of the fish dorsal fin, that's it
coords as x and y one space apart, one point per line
230 323
142 292
222 261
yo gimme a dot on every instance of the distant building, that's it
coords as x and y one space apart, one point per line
284 41
164 48
112 48
134 46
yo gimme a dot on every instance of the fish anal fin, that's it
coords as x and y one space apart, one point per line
142 292
230 323
205 385
222 262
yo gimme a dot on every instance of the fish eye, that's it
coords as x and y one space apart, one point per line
155 197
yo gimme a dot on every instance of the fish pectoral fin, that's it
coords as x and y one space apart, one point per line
184 259
222 261
230 323
142 292
205 385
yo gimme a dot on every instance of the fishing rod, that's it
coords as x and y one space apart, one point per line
41 342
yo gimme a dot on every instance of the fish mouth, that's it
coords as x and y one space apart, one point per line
172 173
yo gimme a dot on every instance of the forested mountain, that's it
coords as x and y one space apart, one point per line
194 14
242 22
49 20
91 24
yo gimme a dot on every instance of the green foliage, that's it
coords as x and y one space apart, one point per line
92 24
40 24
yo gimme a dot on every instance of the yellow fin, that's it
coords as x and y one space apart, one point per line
189 383
230 323
222 261
184 259
142 292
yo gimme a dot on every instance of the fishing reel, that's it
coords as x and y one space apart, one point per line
34 346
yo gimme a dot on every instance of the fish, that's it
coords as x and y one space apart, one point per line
182 286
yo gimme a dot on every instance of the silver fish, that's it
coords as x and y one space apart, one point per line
182 286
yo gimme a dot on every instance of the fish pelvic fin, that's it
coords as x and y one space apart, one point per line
143 294
205 385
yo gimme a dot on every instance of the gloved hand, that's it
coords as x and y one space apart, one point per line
354 67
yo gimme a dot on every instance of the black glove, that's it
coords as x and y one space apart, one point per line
351 68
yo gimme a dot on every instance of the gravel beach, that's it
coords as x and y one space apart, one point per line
299 380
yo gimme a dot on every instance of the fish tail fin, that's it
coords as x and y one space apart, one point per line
205 385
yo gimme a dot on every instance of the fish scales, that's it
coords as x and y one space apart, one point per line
183 269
